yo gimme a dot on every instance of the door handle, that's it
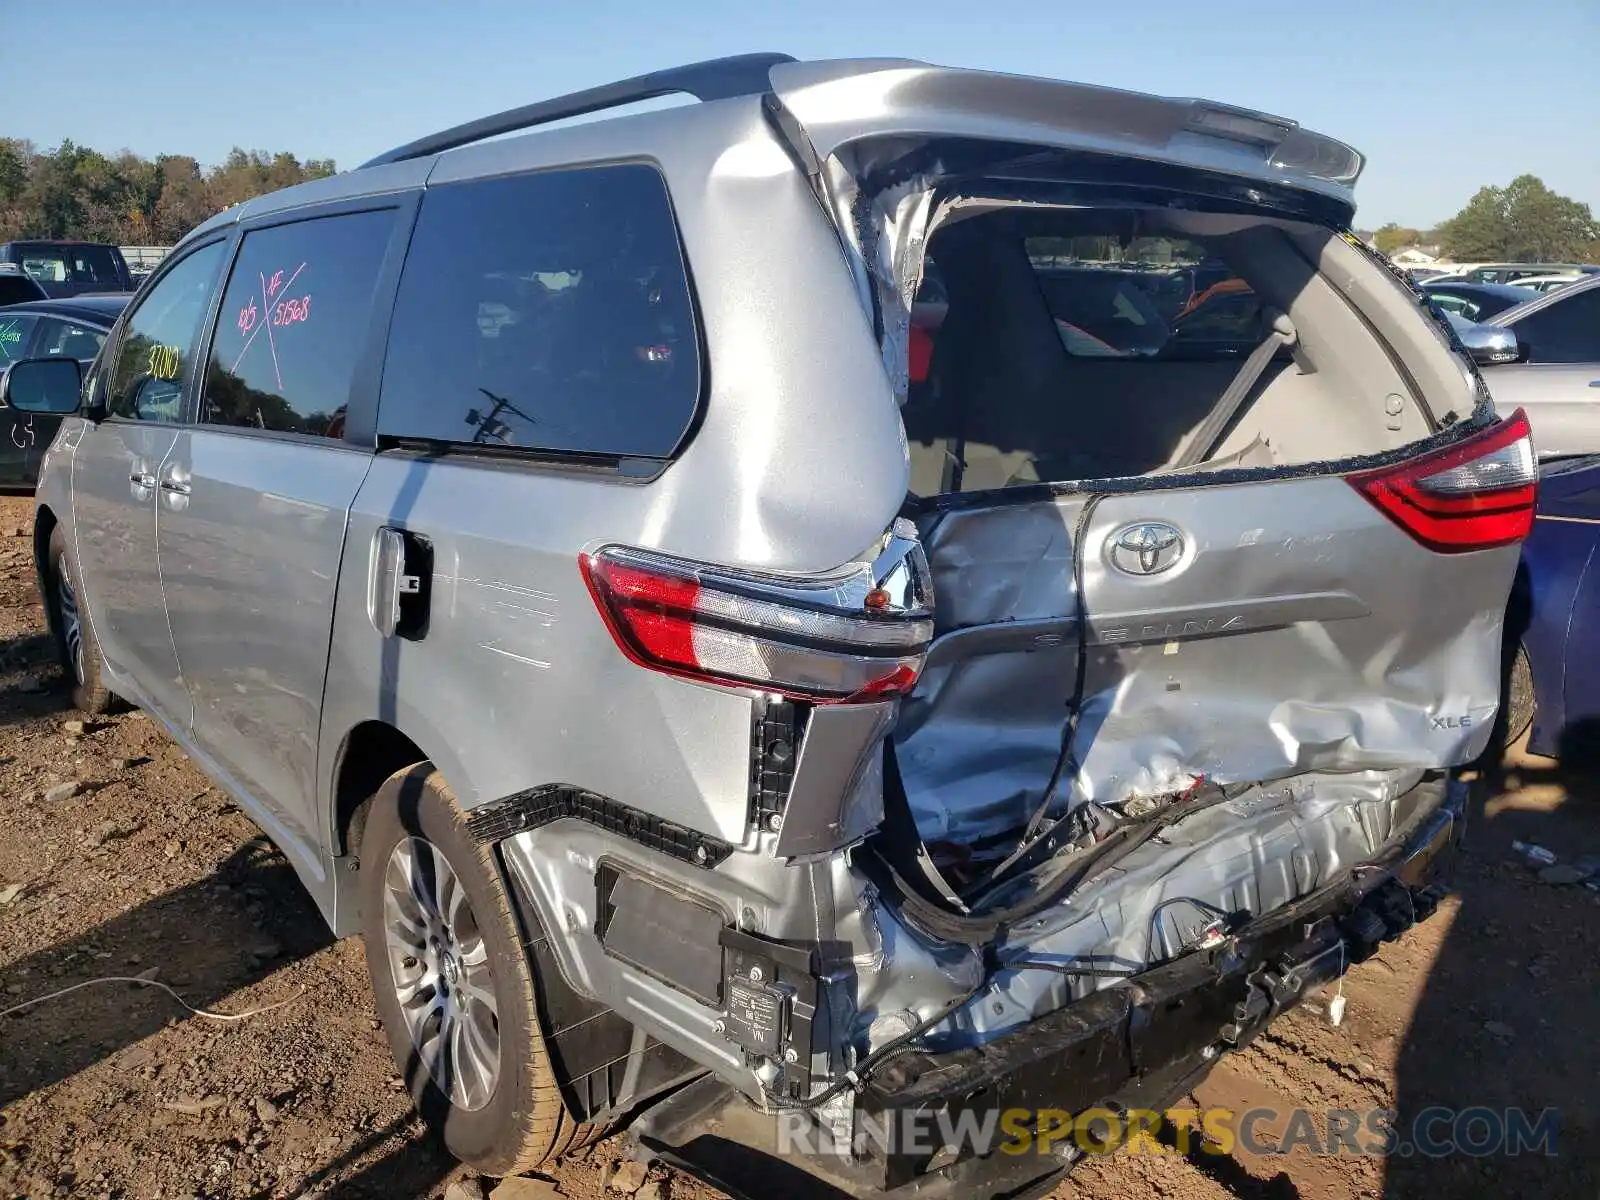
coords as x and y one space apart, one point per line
398 586
176 486
142 479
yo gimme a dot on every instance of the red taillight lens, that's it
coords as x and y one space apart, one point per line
685 620
1474 495
919 352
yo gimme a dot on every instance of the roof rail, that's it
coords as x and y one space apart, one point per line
714 79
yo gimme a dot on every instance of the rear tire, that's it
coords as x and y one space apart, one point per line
76 647
1517 704
451 981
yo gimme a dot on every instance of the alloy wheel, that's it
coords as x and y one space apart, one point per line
440 965
71 622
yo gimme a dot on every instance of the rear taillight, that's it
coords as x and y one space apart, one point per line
1474 495
856 637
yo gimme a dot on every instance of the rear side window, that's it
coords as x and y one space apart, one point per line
293 320
1568 331
546 312
67 339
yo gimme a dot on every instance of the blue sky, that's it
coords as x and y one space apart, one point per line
1415 84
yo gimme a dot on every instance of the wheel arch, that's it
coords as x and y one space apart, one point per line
368 754
44 525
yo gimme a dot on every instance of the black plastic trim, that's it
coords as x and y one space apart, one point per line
604 1063
776 730
517 813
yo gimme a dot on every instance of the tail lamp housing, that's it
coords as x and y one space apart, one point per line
858 636
1475 495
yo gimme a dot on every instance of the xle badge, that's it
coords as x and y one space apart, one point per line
1147 548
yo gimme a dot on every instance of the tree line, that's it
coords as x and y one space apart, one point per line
1522 222
75 192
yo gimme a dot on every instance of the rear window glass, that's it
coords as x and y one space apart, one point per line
70 264
1143 298
546 312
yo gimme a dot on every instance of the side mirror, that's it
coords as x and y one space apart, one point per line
1490 344
52 386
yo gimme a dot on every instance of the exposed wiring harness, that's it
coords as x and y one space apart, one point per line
857 1077
1069 734
1207 936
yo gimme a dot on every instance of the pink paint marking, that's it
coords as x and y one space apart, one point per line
290 311
234 370
271 341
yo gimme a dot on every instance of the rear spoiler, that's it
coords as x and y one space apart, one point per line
838 103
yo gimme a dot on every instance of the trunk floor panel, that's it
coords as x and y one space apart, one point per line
1252 854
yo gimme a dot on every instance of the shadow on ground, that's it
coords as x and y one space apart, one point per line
196 945
412 1169
32 687
1505 1031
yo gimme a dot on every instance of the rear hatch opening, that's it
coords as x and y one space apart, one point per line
1087 343
1160 427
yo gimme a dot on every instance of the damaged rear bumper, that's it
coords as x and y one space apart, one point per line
1142 1045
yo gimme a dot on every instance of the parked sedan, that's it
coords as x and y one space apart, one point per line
1549 283
73 328
1474 301
1517 272
1555 678
1555 375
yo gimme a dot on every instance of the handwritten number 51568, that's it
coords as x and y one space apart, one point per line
289 312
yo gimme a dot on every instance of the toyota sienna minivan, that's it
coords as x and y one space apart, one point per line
708 720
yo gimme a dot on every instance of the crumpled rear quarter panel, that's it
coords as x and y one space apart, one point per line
1299 631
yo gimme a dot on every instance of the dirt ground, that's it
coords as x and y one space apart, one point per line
115 1091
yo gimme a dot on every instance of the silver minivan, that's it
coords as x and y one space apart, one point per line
886 591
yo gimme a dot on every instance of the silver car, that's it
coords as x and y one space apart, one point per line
1553 371
723 685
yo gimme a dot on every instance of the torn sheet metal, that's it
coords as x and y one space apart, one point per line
1266 848
1287 627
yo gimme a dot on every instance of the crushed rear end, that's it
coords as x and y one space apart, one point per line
1142 719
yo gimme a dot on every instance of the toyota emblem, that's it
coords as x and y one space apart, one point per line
1147 548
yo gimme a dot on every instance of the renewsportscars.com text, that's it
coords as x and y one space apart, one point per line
1434 1132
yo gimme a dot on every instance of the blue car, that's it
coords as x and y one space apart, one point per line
1555 679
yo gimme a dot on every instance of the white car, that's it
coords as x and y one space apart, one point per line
1556 375
1547 283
